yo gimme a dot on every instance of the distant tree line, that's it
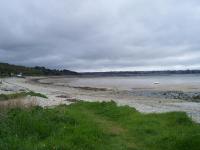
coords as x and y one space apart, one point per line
12 70
139 73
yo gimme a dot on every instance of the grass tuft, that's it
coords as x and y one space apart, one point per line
31 93
20 95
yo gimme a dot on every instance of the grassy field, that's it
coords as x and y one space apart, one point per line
20 95
96 126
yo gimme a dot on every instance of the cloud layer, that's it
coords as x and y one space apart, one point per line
101 35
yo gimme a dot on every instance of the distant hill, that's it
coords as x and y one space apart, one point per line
9 70
140 73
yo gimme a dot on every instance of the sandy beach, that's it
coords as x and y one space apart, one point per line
147 98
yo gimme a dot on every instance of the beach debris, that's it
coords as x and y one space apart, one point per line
20 75
6 89
72 100
22 90
63 96
68 98
156 83
187 96
90 88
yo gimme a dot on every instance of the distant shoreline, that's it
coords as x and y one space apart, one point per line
141 73
7 70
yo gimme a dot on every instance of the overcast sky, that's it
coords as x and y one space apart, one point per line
101 35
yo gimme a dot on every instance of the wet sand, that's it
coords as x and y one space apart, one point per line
144 96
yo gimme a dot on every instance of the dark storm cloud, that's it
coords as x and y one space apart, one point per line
101 34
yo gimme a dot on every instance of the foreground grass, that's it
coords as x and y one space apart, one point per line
96 126
20 95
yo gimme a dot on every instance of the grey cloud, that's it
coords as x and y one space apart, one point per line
102 34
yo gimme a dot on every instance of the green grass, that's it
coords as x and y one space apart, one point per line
31 93
96 126
20 95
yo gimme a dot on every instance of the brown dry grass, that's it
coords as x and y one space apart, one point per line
18 103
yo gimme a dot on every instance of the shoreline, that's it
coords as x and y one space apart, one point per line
62 94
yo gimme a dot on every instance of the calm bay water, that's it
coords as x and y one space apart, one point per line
168 82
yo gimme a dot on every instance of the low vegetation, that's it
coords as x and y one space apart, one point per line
96 126
12 70
20 95
196 98
31 93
